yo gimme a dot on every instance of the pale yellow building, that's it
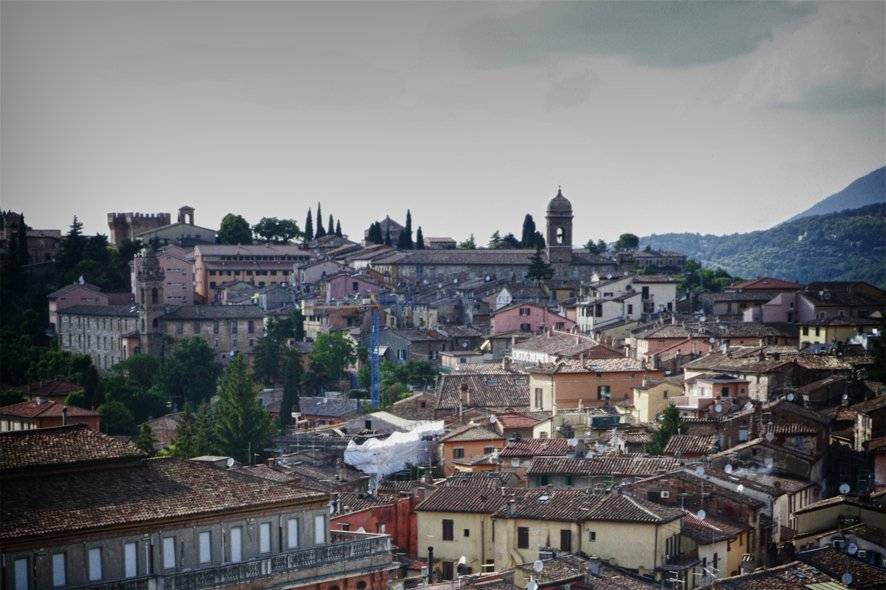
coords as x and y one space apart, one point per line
653 396
835 330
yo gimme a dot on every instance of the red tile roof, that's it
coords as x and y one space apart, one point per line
620 465
64 445
43 409
690 444
536 447
52 388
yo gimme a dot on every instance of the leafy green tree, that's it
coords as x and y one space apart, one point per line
388 241
70 251
598 247
331 354
671 423
538 240
242 425
539 269
878 371
140 370
321 231
419 239
298 325
276 231
10 396
527 236
292 377
468 244
234 229
627 242
510 242
309 227
185 435
190 374
116 419
266 360
495 240
145 439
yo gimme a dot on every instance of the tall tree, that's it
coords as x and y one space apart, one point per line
70 251
234 229
527 237
419 239
331 354
627 242
331 230
468 244
277 231
116 419
292 377
670 423
403 240
321 231
298 325
409 222
309 227
495 240
539 269
190 374
243 426
338 228
145 439
374 236
510 242
266 360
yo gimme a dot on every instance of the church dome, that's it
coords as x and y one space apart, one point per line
560 204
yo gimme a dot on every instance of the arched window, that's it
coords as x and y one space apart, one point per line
156 322
154 296
561 235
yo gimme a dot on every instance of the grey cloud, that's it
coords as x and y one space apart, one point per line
658 34
571 90
838 96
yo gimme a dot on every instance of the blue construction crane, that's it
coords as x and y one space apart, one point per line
375 375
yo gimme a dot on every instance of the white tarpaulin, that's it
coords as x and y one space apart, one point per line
384 457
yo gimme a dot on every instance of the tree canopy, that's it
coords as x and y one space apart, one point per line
627 242
234 229
241 423
276 231
190 374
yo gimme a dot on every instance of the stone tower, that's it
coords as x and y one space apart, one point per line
559 238
149 296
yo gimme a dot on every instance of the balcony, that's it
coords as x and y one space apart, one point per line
347 554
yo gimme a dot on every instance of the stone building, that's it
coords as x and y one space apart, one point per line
182 233
178 270
164 523
127 226
261 265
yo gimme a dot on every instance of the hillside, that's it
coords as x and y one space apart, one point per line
867 190
847 245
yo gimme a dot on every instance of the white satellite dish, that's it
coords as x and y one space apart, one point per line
845 396
532 585
718 408
538 565
852 548
844 488
740 488
572 442
728 468
770 436
229 462
701 515
769 462
748 406
699 471
462 560
493 419
846 578
790 397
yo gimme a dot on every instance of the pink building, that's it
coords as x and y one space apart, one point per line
178 270
76 294
346 286
528 317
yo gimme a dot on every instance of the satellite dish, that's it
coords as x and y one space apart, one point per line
845 396
532 585
852 549
844 488
701 515
711 339
573 442
229 462
770 436
769 462
718 408
699 471
538 565
740 488
846 578
749 406
728 468
493 419
791 397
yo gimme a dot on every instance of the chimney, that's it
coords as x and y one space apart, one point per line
430 564
339 470
506 363
64 415
512 503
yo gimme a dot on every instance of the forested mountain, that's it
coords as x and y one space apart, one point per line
867 190
847 245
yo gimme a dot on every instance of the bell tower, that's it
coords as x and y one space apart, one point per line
149 296
559 235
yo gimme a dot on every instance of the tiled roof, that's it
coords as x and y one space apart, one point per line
516 420
471 432
579 506
157 489
467 499
836 563
355 502
499 257
565 345
483 479
505 390
608 365
566 567
265 472
791 576
536 447
52 388
870 405
251 250
844 294
215 312
619 465
333 407
709 530
696 482
765 283
59 292
43 409
690 444
63 445
126 311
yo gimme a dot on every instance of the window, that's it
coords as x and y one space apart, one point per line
817 331
592 536
355 286
179 327
215 327
724 391
806 330
95 564
467 532
567 480
525 327
292 533
21 574
524 311
448 534
236 544
250 327
458 453
603 392
630 309
168 553
264 537
234 327
58 570
319 529
543 480
488 450
448 570
130 560
522 537
205 542
566 540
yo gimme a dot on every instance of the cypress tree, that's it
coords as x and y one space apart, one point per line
145 439
539 270
338 228
321 231
309 227
241 424
419 240
292 374
403 241
527 238
22 236
331 230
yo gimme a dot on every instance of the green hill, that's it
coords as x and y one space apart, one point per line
842 246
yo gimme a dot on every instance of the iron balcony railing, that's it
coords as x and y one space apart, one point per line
344 550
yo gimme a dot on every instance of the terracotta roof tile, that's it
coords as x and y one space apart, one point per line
507 390
619 465
536 447
690 444
63 445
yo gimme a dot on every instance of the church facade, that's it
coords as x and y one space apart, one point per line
412 266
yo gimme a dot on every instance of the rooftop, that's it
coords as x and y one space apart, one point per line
24 450
485 390
619 465
579 505
43 408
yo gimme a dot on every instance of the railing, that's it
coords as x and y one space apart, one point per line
344 549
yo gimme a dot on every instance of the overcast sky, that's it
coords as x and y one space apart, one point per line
654 117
